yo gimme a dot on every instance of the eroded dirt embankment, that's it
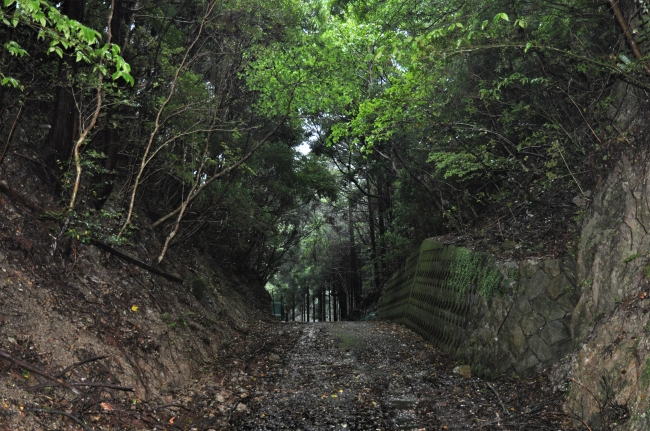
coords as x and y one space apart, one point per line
90 341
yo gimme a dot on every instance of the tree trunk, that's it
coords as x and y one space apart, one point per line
382 234
329 308
65 123
105 180
354 263
373 240
343 306
110 148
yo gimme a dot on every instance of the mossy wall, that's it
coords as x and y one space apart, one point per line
509 317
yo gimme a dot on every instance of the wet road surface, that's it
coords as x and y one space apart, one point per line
380 376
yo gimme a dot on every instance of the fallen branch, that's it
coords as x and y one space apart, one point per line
251 355
232 409
59 412
80 363
135 261
104 385
174 405
628 34
526 412
505 412
89 384
600 405
29 367
584 423
11 131
4 188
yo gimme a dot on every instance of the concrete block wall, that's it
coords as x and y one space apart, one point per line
519 328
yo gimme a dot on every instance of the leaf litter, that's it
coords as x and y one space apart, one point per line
358 376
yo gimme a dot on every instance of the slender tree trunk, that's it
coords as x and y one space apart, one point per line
343 306
65 123
329 301
373 240
382 234
119 28
105 180
354 263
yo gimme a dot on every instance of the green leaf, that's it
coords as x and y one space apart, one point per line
485 24
89 35
57 50
624 59
502 16
128 78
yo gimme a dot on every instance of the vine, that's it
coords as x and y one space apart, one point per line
468 269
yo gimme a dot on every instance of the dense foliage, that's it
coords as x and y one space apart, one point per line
468 118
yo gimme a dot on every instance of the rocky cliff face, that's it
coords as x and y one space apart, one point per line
609 374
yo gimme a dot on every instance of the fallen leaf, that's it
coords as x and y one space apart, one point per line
171 421
134 308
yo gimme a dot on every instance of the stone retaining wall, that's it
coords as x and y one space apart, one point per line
509 317
526 329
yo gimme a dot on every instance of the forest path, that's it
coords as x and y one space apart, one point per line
380 376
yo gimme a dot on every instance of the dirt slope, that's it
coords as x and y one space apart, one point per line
96 342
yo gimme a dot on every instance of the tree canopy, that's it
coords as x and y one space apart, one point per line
477 120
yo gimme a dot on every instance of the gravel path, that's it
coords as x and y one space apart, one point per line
379 376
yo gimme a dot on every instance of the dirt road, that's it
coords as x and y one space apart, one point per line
380 376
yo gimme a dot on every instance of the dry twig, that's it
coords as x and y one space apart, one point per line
62 413
80 363
29 367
